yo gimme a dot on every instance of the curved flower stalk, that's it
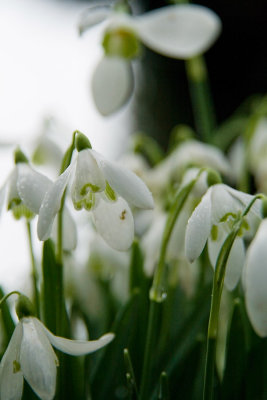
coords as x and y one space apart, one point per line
177 31
102 187
255 278
30 355
213 219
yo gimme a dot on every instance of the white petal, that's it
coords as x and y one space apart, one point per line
198 228
112 84
181 31
127 184
32 187
51 204
114 222
87 172
2 196
12 192
38 359
255 281
93 16
235 261
69 231
76 347
11 382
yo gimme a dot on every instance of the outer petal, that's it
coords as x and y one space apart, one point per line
126 183
32 187
112 84
11 380
198 228
51 204
69 231
76 347
255 281
235 262
114 222
94 15
2 196
38 359
180 31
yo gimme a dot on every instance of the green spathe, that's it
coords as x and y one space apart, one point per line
82 142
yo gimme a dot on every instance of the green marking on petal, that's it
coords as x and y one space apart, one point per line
214 232
121 42
109 192
21 211
16 366
89 187
13 203
228 216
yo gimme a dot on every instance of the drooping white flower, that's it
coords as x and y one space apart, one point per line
30 356
177 31
188 153
255 278
212 220
31 187
103 187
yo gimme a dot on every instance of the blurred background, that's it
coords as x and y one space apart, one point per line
45 73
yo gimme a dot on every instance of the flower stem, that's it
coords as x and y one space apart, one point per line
202 103
33 272
218 283
158 291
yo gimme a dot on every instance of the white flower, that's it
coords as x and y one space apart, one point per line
177 31
103 187
188 153
30 355
255 278
31 187
212 220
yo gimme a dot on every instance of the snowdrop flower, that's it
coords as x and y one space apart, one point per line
177 31
187 153
30 355
102 187
213 219
26 189
255 278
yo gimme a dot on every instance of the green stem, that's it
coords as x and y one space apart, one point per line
158 291
202 103
149 349
218 283
33 272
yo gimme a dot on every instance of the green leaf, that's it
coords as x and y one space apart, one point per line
236 356
108 373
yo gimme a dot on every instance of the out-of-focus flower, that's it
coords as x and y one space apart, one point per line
177 31
103 187
213 219
255 278
30 355
188 154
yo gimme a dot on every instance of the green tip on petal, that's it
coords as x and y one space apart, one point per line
24 307
264 207
82 142
19 157
121 42
213 177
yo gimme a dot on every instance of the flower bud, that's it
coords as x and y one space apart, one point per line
24 307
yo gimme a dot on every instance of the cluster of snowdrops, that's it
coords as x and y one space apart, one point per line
136 248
